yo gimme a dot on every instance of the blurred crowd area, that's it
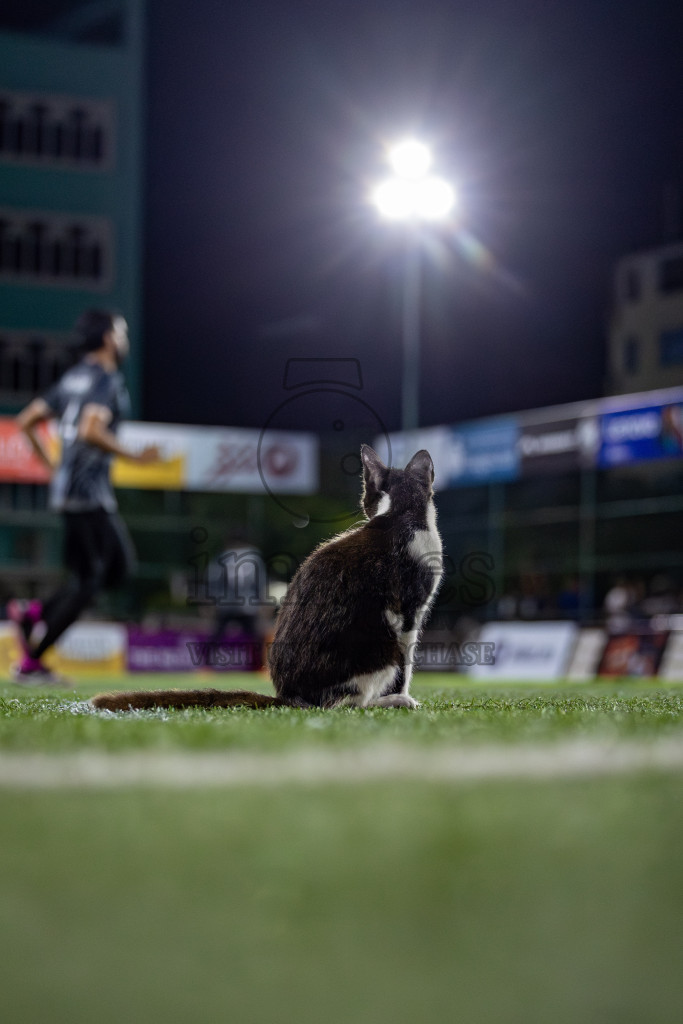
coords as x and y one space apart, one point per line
627 602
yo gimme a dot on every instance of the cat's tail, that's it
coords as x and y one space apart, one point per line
143 699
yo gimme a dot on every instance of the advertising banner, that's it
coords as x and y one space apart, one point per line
587 653
560 446
10 650
250 461
475 453
527 651
173 650
671 666
90 647
481 453
18 461
169 473
636 435
234 460
633 654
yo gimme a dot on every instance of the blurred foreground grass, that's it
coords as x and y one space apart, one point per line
507 902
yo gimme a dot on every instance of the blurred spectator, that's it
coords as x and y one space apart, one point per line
507 606
569 599
237 581
619 606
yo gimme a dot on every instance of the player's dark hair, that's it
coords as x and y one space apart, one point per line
91 327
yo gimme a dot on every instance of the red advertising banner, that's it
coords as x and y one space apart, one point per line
633 654
18 461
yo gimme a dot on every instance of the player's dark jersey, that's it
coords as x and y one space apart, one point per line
82 480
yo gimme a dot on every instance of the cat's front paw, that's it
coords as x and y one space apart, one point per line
396 700
407 701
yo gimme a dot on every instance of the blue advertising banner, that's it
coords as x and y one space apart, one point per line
636 435
480 453
601 434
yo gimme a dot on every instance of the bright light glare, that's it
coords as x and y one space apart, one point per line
435 199
429 199
410 159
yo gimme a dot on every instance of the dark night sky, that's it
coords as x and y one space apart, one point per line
561 124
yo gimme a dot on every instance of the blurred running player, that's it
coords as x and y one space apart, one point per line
89 401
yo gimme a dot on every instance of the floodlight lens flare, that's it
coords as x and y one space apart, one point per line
398 199
394 199
435 199
410 159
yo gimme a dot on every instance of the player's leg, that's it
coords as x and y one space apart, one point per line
99 554
116 546
84 559
42 624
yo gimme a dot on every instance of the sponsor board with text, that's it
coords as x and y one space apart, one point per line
527 650
192 458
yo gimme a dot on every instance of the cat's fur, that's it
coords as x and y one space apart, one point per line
352 616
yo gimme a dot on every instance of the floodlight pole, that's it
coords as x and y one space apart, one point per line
411 196
410 385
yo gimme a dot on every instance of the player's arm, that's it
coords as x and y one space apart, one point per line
28 421
93 427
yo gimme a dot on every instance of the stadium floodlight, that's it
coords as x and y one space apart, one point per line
412 193
410 159
420 199
412 196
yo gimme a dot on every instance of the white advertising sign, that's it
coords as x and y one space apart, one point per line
530 651
587 653
93 641
672 662
220 459
253 461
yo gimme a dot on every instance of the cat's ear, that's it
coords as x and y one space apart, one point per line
421 465
374 476
374 469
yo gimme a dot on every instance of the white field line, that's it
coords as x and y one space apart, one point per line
188 770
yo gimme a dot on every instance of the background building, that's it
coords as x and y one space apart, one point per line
645 344
70 185
71 88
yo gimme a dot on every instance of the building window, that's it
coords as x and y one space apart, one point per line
57 249
76 21
671 347
30 361
40 129
671 275
631 354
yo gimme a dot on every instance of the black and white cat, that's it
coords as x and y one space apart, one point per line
350 622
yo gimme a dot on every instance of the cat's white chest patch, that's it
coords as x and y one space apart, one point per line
426 546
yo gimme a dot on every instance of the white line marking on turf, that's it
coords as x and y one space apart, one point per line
187 770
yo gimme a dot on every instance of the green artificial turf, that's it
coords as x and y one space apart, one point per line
453 711
500 902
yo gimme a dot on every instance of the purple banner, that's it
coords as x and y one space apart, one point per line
173 650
